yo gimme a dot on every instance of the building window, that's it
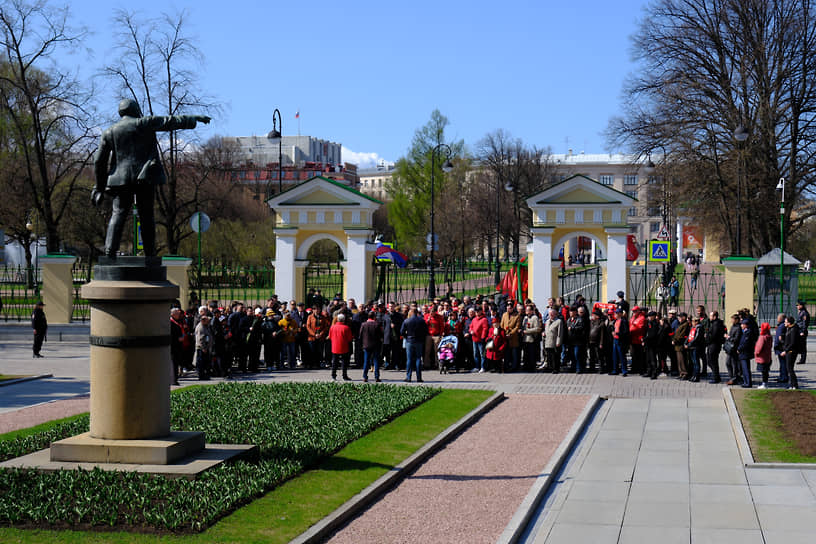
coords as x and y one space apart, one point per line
653 211
607 179
632 194
654 227
632 211
630 179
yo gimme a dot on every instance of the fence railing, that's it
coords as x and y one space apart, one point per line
585 282
410 284
20 289
224 284
705 288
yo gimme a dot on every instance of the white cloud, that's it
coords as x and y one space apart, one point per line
362 160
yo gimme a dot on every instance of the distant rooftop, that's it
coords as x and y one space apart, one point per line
602 158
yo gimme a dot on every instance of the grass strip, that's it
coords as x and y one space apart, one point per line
42 427
294 506
764 430
4 377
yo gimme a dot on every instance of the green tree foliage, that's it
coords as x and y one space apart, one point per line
410 188
706 68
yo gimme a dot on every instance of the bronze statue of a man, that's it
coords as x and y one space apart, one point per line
127 166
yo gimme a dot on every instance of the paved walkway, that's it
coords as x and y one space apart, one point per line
668 471
658 462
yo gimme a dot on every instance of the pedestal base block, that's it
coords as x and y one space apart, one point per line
160 451
189 467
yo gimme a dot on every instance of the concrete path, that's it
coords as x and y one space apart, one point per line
659 462
668 470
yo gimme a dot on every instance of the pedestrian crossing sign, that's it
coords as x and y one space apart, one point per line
659 250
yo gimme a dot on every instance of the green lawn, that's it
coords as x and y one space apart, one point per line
764 429
4 377
294 506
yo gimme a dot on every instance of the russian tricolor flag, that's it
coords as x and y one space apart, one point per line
384 252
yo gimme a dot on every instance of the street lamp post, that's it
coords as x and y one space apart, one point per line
740 135
781 187
277 132
447 166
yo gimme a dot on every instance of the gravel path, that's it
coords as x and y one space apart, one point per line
40 413
469 491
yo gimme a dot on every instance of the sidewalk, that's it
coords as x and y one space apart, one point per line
669 470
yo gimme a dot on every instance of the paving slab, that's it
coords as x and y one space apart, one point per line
631 534
777 517
723 515
775 477
784 495
662 492
726 536
717 493
657 514
570 533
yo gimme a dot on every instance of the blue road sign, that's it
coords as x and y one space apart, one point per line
659 250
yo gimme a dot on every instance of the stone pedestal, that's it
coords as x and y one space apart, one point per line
177 273
130 384
130 349
58 287
739 284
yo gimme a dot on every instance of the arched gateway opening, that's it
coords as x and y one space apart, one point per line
307 216
578 207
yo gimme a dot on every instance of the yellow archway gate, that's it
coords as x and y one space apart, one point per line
578 206
320 209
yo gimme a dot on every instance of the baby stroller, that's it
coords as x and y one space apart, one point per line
447 353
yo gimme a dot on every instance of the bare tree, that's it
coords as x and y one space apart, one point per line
45 110
156 65
713 71
511 172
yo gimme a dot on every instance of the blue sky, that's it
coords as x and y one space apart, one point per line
368 74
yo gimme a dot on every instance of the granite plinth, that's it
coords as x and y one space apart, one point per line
189 467
157 451
148 269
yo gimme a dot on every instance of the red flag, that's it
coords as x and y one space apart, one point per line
632 252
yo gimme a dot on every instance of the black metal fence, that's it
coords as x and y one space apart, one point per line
226 283
324 277
411 284
705 288
20 289
585 282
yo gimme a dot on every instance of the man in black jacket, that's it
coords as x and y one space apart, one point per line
414 330
40 325
714 338
651 341
793 346
802 323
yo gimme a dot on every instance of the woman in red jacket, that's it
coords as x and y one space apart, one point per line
496 345
762 353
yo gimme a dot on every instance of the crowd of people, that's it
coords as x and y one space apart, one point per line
484 334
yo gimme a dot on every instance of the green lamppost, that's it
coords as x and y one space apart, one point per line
781 187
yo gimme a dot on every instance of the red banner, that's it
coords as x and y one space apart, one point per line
632 252
692 238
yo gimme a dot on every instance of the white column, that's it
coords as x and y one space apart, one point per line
284 263
593 258
616 260
680 240
540 288
357 277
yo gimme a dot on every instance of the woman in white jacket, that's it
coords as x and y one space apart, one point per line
553 333
531 338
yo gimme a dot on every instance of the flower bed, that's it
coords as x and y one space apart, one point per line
294 425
